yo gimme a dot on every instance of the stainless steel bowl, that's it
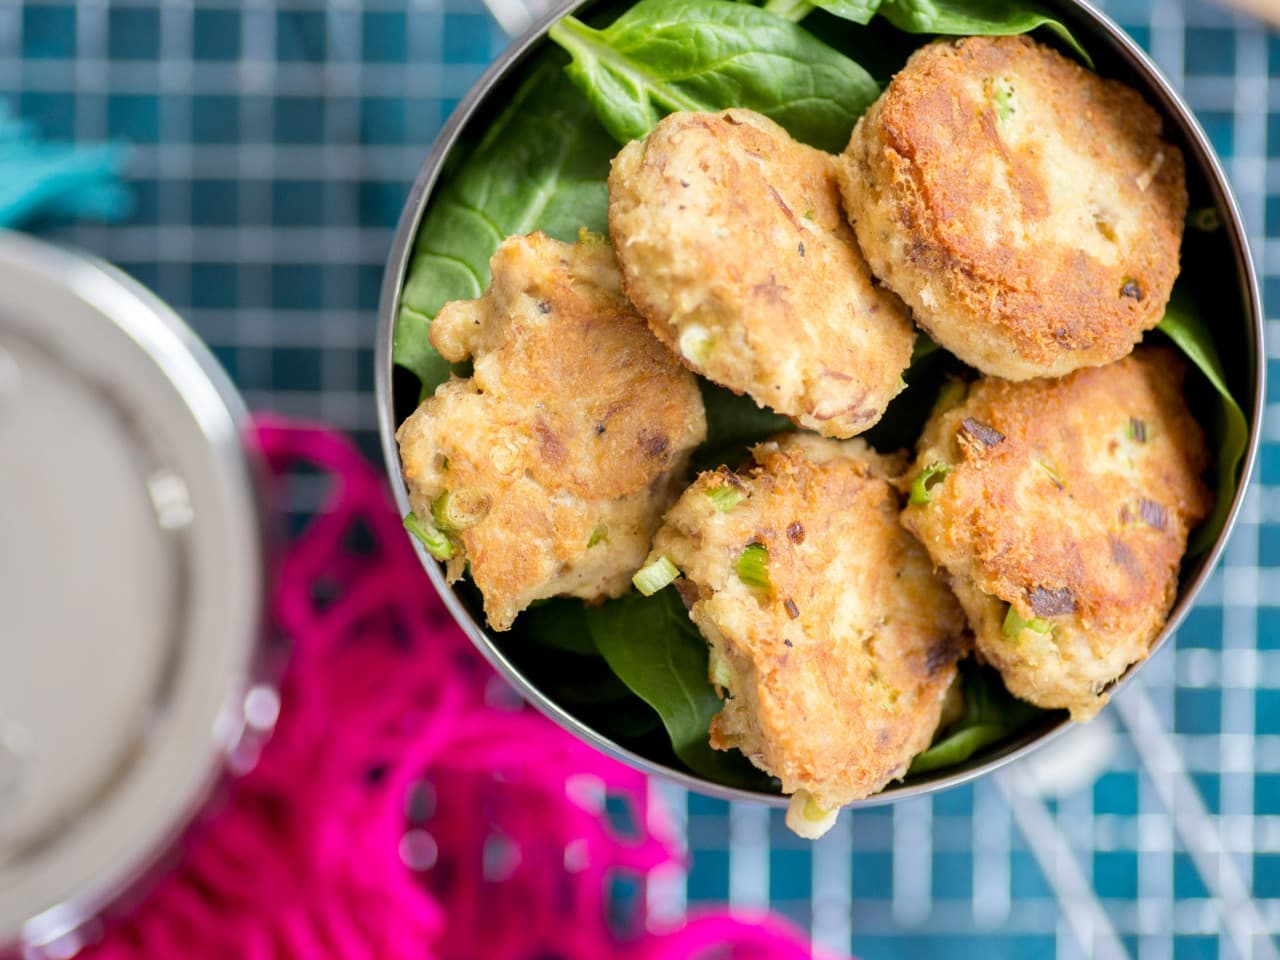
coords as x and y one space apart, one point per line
132 587
1116 55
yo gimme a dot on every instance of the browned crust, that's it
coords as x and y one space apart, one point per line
574 426
836 689
724 221
917 146
1067 517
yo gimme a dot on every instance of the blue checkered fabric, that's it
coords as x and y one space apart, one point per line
274 144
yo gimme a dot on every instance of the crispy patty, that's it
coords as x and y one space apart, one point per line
1070 502
1026 209
835 673
569 439
733 244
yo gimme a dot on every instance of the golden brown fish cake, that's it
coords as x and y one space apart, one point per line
1070 501
569 439
1026 209
835 673
733 244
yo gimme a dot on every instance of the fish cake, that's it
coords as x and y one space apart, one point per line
734 246
1026 209
1060 510
836 671
553 461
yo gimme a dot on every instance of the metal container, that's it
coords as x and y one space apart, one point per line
1238 305
131 590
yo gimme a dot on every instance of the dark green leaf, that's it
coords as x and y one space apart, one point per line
600 688
859 11
412 349
653 647
542 165
906 414
990 715
966 18
560 625
667 55
958 747
626 721
1184 325
734 423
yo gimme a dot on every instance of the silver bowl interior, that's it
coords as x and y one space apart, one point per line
1222 257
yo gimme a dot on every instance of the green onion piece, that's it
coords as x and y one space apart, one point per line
598 534
459 509
1206 219
695 343
725 498
652 577
753 566
930 477
437 544
1002 99
718 671
1052 474
1137 430
806 819
1014 623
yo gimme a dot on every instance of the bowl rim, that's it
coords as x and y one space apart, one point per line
1172 108
115 855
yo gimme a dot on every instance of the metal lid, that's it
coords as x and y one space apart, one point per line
130 584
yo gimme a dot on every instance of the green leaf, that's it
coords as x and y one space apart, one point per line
542 165
558 624
857 11
1185 326
734 423
412 349
991 714
667 55
654 648
905 417
962 18
965 18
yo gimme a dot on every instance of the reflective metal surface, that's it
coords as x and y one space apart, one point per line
1116 55
131 587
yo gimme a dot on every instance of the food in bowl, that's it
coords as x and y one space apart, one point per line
1060 510
832 638
734 245
634 668
545 471
1027 209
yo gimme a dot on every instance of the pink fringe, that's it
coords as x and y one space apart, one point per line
393 814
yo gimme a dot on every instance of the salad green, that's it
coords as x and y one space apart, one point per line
542 163
667 55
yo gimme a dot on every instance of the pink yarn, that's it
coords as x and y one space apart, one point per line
394 814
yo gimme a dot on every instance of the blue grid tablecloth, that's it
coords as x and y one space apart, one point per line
274 142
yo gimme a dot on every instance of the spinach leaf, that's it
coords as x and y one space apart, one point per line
559 624
858 11
1185 326
966 18
653 647
411 348
541 165
905 417
990 714
962 18
734 423
667 55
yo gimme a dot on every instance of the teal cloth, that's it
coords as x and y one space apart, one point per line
42 180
